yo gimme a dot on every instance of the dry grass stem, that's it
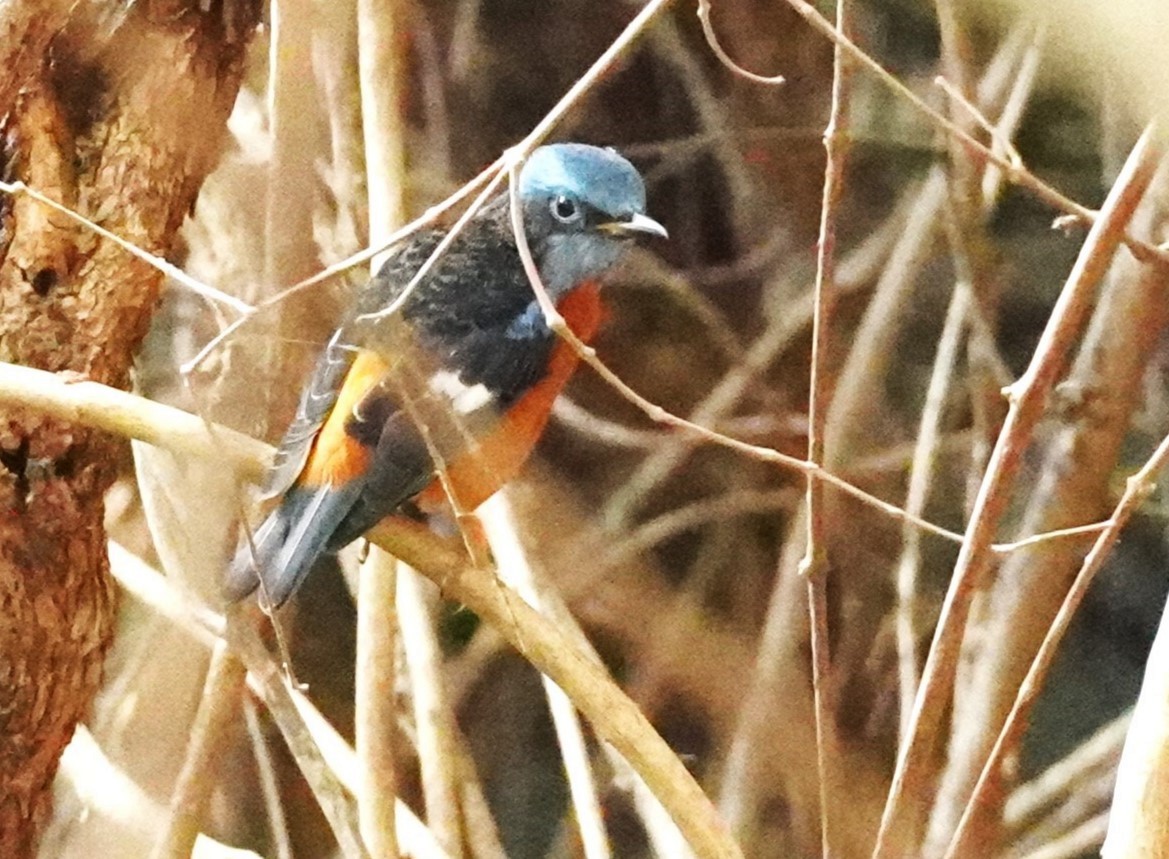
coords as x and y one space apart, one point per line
434 721
920 480
500 526
218 709
375 721
1072 484
382 77
269 783
815 566
289 251
1092 762
1027 399
381 64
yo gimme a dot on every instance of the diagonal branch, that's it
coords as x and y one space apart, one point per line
1027 399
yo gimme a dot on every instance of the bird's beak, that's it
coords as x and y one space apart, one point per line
636 223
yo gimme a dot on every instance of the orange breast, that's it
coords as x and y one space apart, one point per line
500 454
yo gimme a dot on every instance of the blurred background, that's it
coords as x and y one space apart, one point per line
679 559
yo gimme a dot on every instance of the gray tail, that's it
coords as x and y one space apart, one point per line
285 547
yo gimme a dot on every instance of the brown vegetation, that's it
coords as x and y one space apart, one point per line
824 507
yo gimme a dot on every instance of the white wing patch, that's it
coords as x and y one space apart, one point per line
464 399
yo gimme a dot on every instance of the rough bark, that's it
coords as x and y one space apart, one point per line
118 110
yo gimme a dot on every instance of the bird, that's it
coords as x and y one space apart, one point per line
443 389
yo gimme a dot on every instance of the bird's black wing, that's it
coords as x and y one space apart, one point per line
320 395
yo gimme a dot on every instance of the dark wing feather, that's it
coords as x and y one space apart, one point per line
401 468
320 395
315 404
287 544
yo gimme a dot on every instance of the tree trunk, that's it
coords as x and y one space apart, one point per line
117 110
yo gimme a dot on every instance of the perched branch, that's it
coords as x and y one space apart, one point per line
611 713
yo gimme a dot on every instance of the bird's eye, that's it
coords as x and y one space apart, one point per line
564 209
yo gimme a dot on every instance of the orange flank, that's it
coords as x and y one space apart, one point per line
497 458
337 457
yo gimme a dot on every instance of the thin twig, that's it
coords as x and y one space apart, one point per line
656 413
956 53
1072 482
102 407
920 480
1027 399
814 566
203 290
717 49
1024 178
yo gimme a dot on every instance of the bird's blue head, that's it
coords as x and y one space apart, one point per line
582 205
